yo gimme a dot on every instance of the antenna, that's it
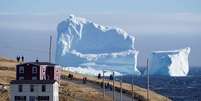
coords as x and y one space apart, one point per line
50 49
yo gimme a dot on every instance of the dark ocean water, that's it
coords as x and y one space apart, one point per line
176 88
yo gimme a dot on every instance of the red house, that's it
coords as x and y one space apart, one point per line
37 71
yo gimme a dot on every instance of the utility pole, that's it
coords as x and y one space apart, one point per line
103 84
113 87
121 89
50 49
132 88
147 79
132 76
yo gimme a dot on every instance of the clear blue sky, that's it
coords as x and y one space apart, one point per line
99 6
141 18
133 15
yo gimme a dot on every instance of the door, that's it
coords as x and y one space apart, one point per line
32 98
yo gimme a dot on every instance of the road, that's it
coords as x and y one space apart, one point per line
108 91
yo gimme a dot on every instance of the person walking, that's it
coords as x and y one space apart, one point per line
22 58
99 76
18 59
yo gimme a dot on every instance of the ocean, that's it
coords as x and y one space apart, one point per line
176 88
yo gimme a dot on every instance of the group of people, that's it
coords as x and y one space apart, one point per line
107 85
70 76
84 80
99 76
20 57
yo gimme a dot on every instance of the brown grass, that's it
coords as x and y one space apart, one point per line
4 96
7 70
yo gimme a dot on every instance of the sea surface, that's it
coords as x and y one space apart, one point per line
176 88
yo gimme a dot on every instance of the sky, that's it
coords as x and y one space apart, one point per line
156 24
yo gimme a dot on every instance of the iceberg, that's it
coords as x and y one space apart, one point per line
83 43
169 63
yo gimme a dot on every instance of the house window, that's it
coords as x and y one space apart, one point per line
21 69
48 77
20 98
41 98
20 88
34 69
34 78
21 78
32 98
31 88
43 88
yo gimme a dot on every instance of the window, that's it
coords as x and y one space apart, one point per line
20 98
43 88
34 78
20 88
48 77
31 88
42 98
21 78
21 69
32 98
34 69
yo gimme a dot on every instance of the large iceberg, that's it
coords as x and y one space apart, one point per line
169 63
83 43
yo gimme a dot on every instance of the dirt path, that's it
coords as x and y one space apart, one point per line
73 90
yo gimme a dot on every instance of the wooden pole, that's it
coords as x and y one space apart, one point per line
147 80
113 87
103 84
132 88
121 89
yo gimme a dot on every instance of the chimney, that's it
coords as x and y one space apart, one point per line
37 60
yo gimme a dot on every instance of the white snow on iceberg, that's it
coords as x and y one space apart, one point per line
169 63
81 42
88 37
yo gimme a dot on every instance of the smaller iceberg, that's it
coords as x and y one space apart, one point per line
169 63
